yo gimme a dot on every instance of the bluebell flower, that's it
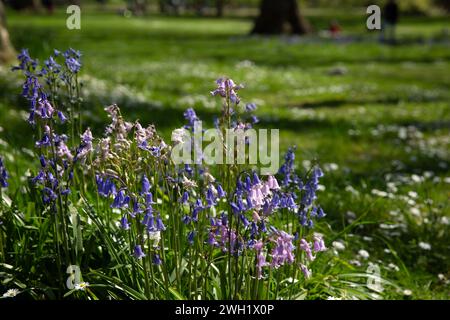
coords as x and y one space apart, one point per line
191 117
156 259
51 66
149 198
248 184
244 220
105 186
149 221
186 219
254 119
25 60
145 188
185 197
188 169
210 198
3 175
121 200
249 107
137 208
190 237
40 178
44 142
138 253
220 192
234 207
61 117
48 195
320 213
124 223
159 224
256 179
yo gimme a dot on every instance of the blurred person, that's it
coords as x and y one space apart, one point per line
390 18
334 29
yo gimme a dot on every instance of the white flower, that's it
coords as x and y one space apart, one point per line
189 183
415 211
81 286
407 292
11 293
363 254
333 298
393 267
338 245
424 245
209 178
379 193
155 237
412 194
180 135
355 262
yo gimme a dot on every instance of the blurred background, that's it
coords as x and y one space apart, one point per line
372 107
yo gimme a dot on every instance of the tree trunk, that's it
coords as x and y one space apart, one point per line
274 15
6 49
219 8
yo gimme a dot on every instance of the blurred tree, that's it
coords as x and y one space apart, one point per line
275 14
24 4
6 49
219 7
445 4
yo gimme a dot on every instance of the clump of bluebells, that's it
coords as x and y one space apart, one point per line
183 226
52 92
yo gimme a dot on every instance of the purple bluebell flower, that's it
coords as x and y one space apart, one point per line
48 195
145 187
50 66
234 207
105 186
138 253
191 117
190 237
39 178
186 219
159 224
25 60
254 119
304 245
320 213
156 259
319 244
149 222
249 107
185 197
3 174
73 61
283 252
244 220
44 142
306 271
256 179
226 88
261 259
61 117
121 200
220 192
124 224
149 198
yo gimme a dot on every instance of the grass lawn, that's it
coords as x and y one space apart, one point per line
379 127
